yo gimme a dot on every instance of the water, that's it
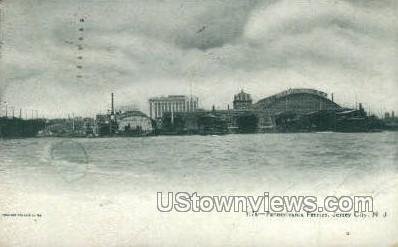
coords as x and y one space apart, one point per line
102 192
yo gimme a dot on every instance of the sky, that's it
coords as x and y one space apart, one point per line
212 48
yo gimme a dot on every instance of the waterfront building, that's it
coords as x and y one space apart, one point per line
199 122
297 101
16 127
76 126
390 121
242 101
248 117
134 123
290 110
172 103
106 124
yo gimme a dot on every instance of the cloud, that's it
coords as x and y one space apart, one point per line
143 48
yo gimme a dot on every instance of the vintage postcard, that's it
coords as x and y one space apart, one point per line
198 123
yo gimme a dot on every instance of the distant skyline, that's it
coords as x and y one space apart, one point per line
140 49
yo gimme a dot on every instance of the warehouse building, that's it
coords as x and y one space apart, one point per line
172 103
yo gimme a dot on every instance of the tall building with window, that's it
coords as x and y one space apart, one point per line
242 101
172 103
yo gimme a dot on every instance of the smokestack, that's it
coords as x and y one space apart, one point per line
332 97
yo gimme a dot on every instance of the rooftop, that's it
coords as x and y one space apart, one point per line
173 97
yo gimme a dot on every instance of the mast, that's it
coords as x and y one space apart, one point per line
112 106
73 121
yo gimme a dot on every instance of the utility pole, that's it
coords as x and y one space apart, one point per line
356 102
73 121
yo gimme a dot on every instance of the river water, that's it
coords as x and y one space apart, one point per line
102 192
